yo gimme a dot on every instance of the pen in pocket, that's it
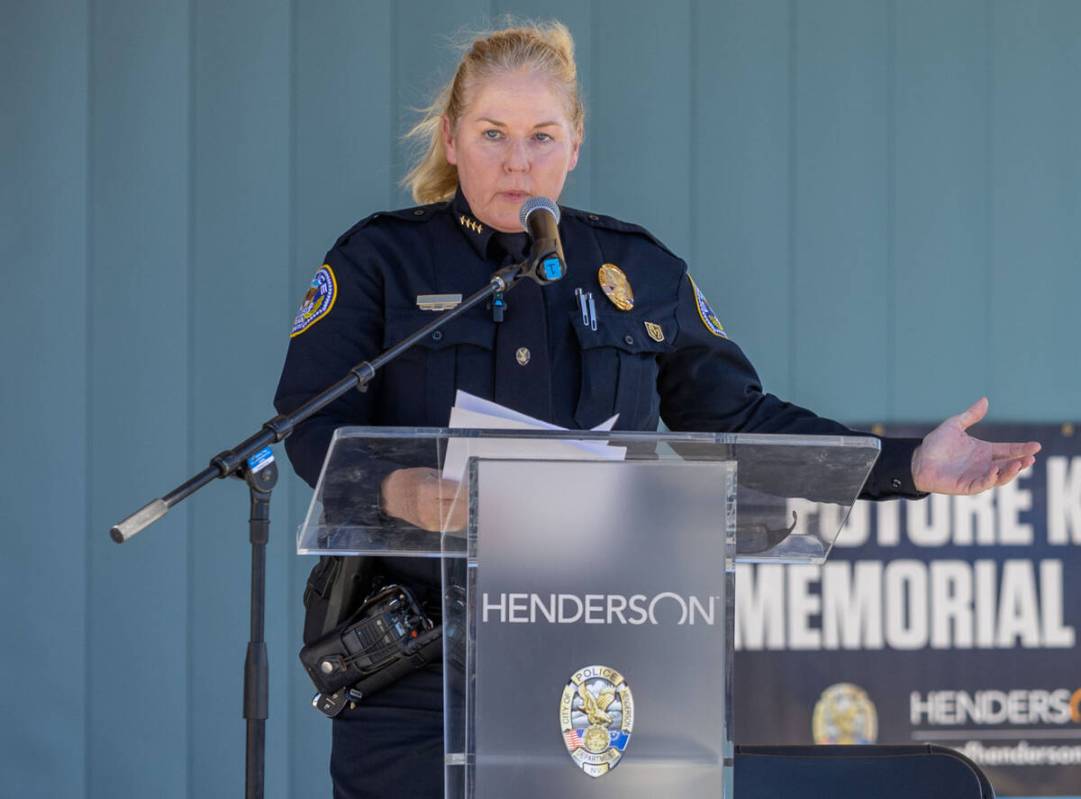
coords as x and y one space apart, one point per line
582 306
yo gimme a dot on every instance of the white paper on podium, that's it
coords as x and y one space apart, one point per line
472 412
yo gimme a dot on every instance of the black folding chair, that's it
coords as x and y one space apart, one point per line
857 772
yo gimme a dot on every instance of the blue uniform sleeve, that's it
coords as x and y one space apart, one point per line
339 324
707 383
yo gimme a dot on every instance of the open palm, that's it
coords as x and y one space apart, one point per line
950 461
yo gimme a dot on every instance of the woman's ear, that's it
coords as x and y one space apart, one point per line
448 142
576 150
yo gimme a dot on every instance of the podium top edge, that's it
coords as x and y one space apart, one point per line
620 436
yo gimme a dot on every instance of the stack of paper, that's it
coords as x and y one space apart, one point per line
472 412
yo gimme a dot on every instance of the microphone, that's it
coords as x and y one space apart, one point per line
540 219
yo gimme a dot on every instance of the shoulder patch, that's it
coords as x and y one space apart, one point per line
705 312
321 296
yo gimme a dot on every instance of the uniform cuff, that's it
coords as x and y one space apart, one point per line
891 476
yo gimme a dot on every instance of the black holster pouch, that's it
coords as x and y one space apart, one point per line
336 587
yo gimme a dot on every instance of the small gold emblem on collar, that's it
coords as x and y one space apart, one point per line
655 331
615 286
470 223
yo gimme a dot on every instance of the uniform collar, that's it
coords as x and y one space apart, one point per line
478 233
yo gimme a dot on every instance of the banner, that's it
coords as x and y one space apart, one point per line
948 620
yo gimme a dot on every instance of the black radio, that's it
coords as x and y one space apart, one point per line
388 636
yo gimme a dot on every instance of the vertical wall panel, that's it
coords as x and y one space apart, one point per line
344 122
43 493
139 414
940 236
240 273
1036 211
840 322
741 176
641 92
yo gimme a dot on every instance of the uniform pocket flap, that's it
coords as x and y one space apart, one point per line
625 332
469 329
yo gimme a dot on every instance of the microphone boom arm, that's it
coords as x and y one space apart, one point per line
277 429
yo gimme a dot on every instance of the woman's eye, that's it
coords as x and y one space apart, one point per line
492 134
543 137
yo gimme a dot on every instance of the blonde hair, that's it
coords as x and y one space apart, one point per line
546 48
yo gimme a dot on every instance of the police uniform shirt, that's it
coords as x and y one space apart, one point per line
668 357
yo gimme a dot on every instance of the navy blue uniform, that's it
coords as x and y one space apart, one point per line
667 358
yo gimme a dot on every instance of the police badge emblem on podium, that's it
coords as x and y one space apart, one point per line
596 714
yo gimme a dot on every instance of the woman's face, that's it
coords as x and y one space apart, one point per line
515 140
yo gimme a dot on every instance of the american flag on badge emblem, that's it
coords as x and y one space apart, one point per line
573 739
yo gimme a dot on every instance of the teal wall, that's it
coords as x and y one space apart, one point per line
882 199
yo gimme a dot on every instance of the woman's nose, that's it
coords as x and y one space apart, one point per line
517 159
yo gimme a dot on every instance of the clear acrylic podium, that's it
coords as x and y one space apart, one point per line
588 588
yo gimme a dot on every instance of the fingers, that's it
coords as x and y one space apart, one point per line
1000 474
398 496
421 498
1009 470
973 413
1006 472
437 503
1021 449
457 517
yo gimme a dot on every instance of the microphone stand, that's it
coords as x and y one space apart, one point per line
253 462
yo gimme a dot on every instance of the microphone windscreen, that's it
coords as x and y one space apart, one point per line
533 204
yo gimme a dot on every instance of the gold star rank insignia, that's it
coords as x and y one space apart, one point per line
616 287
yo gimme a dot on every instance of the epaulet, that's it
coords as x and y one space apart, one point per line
417 213
611 223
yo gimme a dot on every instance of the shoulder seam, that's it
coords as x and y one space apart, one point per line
418 213
618 225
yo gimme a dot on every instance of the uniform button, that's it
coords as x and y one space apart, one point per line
896 483
628 340
418 212
437 335
593 217
522 356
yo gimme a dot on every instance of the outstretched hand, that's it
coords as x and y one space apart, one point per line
950 461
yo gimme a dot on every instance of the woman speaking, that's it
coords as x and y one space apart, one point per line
648 346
